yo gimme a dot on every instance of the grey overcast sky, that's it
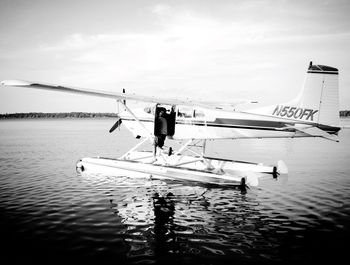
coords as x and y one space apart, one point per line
217 50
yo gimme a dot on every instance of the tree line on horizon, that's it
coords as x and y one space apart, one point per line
35 115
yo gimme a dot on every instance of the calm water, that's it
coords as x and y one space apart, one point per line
50 214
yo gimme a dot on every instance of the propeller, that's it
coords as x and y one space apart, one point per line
119 121
116 125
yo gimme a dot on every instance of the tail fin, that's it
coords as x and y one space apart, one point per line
318 101
320 93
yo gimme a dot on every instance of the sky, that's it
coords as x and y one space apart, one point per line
206 50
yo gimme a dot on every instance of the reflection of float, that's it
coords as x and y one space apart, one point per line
156 198
149 219
164 219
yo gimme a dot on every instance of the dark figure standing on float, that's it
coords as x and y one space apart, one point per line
161 131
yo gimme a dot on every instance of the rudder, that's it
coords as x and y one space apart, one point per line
320 93
317 102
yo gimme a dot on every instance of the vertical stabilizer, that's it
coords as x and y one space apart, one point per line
317 102
321 92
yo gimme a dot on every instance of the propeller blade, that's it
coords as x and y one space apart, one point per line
116 125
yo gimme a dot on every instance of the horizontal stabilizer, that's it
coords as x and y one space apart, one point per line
316 132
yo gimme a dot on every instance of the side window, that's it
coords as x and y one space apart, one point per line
184 112
187 112
198 113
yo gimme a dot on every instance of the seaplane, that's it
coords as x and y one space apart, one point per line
314 112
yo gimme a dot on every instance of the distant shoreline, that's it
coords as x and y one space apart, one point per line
84 115
57 115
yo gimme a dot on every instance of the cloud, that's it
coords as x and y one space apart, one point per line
79 41
202 49
191 51
161 9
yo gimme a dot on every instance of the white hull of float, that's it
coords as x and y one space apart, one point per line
218 171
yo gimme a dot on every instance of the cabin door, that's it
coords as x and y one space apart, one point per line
170 116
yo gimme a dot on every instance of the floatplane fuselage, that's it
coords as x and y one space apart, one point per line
200 123
313 113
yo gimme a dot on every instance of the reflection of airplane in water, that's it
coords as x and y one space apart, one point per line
314 113
165 220
149 218
164 211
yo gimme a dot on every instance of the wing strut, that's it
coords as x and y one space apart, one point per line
150 135
125 156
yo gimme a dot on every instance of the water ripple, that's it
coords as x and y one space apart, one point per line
51 213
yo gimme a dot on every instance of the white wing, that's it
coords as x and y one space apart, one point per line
121 96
